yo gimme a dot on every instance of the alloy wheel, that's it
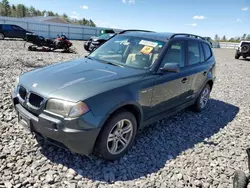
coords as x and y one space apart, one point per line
120 136
1 36
204 97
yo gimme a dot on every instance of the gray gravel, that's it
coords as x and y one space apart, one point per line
185 150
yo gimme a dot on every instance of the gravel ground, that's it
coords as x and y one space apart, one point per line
185 150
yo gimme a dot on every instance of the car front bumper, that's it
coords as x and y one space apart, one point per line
60 132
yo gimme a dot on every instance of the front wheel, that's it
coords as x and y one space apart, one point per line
117 136
240 180
203 99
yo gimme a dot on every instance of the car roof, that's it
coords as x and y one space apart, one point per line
150 35
161 36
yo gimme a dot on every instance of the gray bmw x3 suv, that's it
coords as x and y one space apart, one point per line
97 104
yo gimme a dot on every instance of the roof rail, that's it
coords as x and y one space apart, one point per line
128 30
187 35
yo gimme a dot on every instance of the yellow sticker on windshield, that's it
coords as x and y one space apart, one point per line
146 49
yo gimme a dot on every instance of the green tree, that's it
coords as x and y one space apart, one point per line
216 38
39 13
65 17
91 23
13 11
32 11
84 21
248 37
244 36
5 8
21 11
224 39
231 40
50 13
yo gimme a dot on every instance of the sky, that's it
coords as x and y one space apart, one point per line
201 17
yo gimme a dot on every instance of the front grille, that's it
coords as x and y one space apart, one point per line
22 92
35 100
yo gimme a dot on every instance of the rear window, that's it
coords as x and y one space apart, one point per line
207 51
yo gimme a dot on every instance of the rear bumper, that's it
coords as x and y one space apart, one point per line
62 132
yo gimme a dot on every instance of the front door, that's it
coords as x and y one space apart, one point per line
18 31
171 89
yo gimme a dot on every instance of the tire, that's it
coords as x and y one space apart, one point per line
245 48
240 180
2 36
237 55
106 149
202 100
244 57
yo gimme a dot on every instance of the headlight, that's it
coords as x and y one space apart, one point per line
66 109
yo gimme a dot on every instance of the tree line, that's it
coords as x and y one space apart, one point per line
20 11
233 39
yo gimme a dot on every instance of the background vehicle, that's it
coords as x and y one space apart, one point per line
12 31
42 44
97 104
95 42
106 31
243 50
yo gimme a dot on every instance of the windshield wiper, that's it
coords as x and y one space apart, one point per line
110 63
103 61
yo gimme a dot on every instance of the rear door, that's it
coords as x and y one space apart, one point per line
7 30
199 62
171 89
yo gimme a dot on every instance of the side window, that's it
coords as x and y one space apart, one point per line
193 52
175 54
17 28
207 51
6 27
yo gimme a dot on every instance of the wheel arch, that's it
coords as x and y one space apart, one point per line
130 106
210 83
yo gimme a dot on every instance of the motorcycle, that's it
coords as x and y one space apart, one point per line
40 43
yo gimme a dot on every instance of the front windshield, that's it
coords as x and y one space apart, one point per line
129 51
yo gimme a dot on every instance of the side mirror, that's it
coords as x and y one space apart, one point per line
171 67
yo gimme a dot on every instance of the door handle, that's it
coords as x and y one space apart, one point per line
204 73
184 80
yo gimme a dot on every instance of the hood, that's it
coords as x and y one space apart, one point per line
79 79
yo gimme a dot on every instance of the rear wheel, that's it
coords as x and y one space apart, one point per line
117 136
203 99
1 36
240 180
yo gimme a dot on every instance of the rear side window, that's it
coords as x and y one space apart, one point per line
17 28
207 51
193 52
6 27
